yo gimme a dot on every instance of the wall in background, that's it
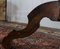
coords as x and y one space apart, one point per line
2 9
17 11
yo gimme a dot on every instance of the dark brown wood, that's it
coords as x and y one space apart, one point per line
50 10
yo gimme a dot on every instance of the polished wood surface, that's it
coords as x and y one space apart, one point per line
50 10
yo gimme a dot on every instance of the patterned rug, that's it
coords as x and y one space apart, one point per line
37 40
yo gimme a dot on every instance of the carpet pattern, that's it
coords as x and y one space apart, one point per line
37 40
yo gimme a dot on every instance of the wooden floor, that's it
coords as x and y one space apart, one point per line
43 38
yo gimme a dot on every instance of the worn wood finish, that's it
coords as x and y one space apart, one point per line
50 10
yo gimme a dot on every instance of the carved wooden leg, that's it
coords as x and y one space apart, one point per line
34 21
